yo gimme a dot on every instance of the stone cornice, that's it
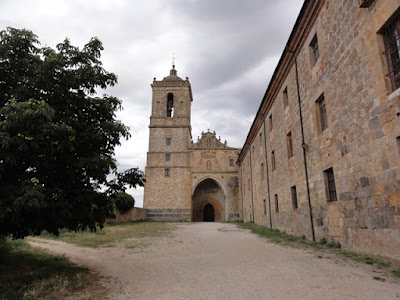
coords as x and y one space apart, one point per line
304 23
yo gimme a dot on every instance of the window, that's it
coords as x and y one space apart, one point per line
391 36
276 203
167 157
273 160
248 183
231 162
289 144
285 98
170 105
322 116
168 141
166 172
262 171
314 50
260 138
265 207
398 144
330 185
294 197
270 123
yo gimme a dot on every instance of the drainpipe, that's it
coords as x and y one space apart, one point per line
304 146
251 180
266 164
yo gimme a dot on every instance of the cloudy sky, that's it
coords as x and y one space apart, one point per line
228 49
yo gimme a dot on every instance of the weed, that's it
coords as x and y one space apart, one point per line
323 241
379 278
396 273
334 245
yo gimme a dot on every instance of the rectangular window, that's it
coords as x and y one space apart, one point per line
289 144
294 197
262 171
270 122
166 172
391 36
276 203
330 185
248 183
168 141
265 207
322 115
273 160
314 50
231 162
398 144
285 98
167 157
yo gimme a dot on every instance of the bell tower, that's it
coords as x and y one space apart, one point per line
167 192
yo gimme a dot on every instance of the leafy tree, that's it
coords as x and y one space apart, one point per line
57 138
124 202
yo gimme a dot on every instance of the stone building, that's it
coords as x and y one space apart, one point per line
322 157
185 180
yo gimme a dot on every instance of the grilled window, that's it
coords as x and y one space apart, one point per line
314 50
391 35
273 160
265 207
294 197
166 172
276 203
262 171
290 144
323 118
168 141
231 162
330 185
270 123
167 157
285 98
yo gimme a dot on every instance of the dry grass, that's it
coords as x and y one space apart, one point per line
129 235
29 273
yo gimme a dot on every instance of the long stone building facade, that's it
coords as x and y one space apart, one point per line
322 157
186 181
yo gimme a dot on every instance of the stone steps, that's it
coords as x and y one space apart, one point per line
168 215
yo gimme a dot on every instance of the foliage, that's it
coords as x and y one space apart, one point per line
124 202
57 138
129 235
323 241
29 273
396 273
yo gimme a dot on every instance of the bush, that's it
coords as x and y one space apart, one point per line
124 202
323 241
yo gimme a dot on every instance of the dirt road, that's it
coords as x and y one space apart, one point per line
221 261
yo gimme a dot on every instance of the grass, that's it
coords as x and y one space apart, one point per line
279 237
29 273
129 235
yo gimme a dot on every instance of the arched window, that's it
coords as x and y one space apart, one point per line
170 105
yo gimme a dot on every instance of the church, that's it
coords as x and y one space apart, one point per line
186 180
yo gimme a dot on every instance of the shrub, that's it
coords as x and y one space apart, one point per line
323 241
124 202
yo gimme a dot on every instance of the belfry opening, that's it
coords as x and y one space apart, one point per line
207 202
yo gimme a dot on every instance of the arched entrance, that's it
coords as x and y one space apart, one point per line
208 202
208 213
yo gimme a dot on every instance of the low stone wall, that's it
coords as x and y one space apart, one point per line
168 214
134 214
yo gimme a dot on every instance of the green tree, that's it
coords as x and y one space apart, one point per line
57 138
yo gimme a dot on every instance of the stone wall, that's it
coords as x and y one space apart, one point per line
134 214
360 143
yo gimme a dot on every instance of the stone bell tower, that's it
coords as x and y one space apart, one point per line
167 192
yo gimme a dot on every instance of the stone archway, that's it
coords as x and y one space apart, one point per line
208 195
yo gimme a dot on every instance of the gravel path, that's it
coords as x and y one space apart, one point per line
220 261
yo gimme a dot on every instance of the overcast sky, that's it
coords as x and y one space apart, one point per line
228 49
